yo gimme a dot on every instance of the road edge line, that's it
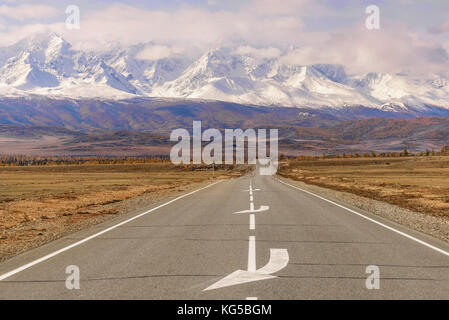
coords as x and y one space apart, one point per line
55 253
370 219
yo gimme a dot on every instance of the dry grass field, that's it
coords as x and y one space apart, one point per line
417 183
41 203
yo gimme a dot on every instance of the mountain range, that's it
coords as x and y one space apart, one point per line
47 65
55 99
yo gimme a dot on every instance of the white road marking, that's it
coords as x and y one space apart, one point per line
278 260
251 298
251 198
261 209
372 220
252 254
251 206
51 255
239 277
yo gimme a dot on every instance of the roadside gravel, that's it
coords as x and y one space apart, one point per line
434 226
36 232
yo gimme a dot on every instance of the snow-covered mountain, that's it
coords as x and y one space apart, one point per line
46 64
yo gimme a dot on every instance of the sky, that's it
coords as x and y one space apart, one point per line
413 34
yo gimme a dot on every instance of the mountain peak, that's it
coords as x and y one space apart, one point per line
42 41
46 64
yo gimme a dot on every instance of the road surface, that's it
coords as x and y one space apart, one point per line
254 237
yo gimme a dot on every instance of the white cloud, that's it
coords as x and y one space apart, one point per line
11 34
131 25
283 7
262 28
440 28
156 52
266 53
28 11
362 50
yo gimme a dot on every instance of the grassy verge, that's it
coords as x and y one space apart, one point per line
417 183
41 203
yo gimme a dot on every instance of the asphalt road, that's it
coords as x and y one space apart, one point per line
301 247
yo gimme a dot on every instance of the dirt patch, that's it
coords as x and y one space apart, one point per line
416 183
40 204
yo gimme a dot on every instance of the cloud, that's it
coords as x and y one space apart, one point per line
265 53
319 32
10 34
194 26
156 52
362 50
283 7
28 11
440 29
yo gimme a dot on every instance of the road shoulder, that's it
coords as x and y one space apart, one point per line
433 226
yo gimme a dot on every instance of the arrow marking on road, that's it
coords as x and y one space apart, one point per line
278 260
261 209
278 257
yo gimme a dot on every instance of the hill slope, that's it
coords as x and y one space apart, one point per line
380 135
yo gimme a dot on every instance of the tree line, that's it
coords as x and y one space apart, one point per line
444 151
25 160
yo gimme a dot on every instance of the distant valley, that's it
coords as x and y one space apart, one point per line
142 127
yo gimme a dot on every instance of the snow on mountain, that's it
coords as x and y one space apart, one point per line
402 90
46 64
144 74
215 75
220 74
